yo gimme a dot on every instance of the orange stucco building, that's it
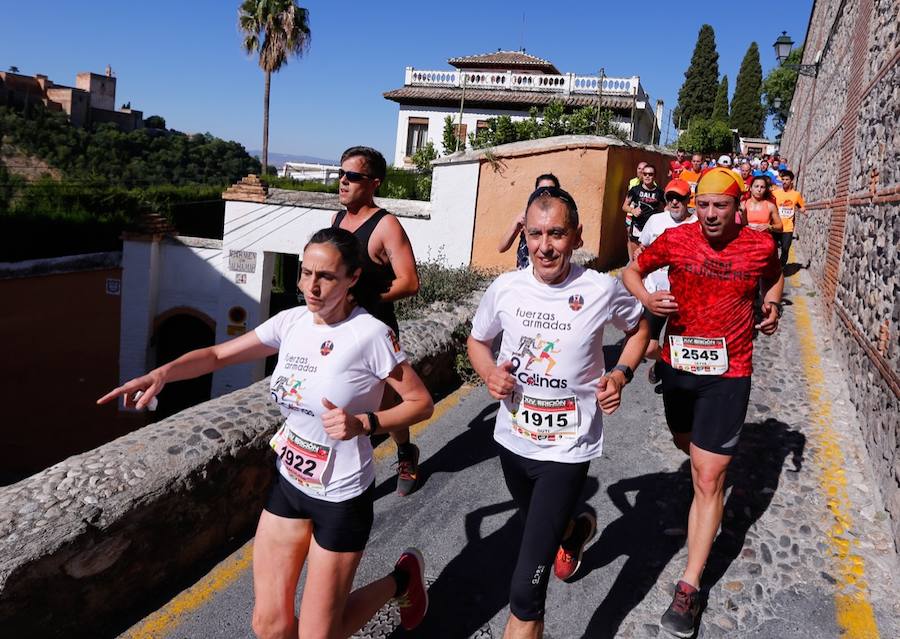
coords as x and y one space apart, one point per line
594 169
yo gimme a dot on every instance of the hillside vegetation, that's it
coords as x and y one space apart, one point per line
65 190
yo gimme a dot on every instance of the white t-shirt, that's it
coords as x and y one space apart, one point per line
345 362
554 335
658 280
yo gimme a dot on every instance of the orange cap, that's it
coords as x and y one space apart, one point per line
678 186
721 180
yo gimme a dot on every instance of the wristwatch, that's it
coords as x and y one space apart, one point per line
373 423
626 371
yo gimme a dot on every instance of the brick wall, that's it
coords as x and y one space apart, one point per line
843 136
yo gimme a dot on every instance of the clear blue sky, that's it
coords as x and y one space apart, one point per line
182 59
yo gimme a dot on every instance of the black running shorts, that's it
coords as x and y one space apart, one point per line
342 526
710 407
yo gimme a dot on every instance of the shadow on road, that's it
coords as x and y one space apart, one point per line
651 530
474 586
795 267
473 446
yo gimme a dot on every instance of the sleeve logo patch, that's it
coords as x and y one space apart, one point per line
395 341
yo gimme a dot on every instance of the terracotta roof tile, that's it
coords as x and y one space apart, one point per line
506 60
492 97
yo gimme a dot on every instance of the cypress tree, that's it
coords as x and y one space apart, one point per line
701 80
720 108
748 115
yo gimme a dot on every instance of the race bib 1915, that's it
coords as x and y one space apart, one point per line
545 421
699 355
305 461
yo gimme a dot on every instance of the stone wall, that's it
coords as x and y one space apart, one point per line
843 136
99 534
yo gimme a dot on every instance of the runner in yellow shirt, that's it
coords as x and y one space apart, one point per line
788 201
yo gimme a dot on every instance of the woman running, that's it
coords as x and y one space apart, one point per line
333 361
760 211
517 228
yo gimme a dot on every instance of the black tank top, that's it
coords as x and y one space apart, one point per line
382 274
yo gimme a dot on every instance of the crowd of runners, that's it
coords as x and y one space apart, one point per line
703 265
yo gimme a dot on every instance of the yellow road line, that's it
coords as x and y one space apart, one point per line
853 610
164 621
449 402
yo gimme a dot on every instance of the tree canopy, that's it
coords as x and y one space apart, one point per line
139 158
276 30
587 120
720 107
707 136
748 115
701 81
779 85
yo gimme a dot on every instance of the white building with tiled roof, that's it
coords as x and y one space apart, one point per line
509 83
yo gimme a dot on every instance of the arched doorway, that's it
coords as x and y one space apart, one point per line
176 335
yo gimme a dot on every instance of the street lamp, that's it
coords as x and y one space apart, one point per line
783 46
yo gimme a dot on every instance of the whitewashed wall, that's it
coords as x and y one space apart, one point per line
157 277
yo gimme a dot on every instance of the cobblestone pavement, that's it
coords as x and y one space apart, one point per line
791 526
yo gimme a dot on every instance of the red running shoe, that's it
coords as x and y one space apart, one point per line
568 557
414 602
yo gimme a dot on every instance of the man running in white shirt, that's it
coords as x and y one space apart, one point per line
549 424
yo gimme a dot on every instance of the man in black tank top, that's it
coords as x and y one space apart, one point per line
388 261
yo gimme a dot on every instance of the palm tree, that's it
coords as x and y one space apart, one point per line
276 29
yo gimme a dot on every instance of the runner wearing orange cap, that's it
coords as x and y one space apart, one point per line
716 268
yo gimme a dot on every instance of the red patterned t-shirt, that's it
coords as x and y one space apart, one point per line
714 290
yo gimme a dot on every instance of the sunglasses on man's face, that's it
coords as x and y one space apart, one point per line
353 176
649 173
674 198
551 191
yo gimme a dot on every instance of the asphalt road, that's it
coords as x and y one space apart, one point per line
464 522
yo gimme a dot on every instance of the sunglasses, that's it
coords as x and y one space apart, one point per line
676 198
353 176
552 191
650 173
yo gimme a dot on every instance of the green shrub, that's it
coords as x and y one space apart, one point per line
462 365
440 283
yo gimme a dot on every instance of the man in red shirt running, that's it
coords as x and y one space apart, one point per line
715 270
678 165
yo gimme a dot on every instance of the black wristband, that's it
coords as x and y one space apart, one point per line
373 423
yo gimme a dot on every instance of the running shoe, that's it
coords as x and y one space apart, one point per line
407 471
653 373
413 602
681 617
568 557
